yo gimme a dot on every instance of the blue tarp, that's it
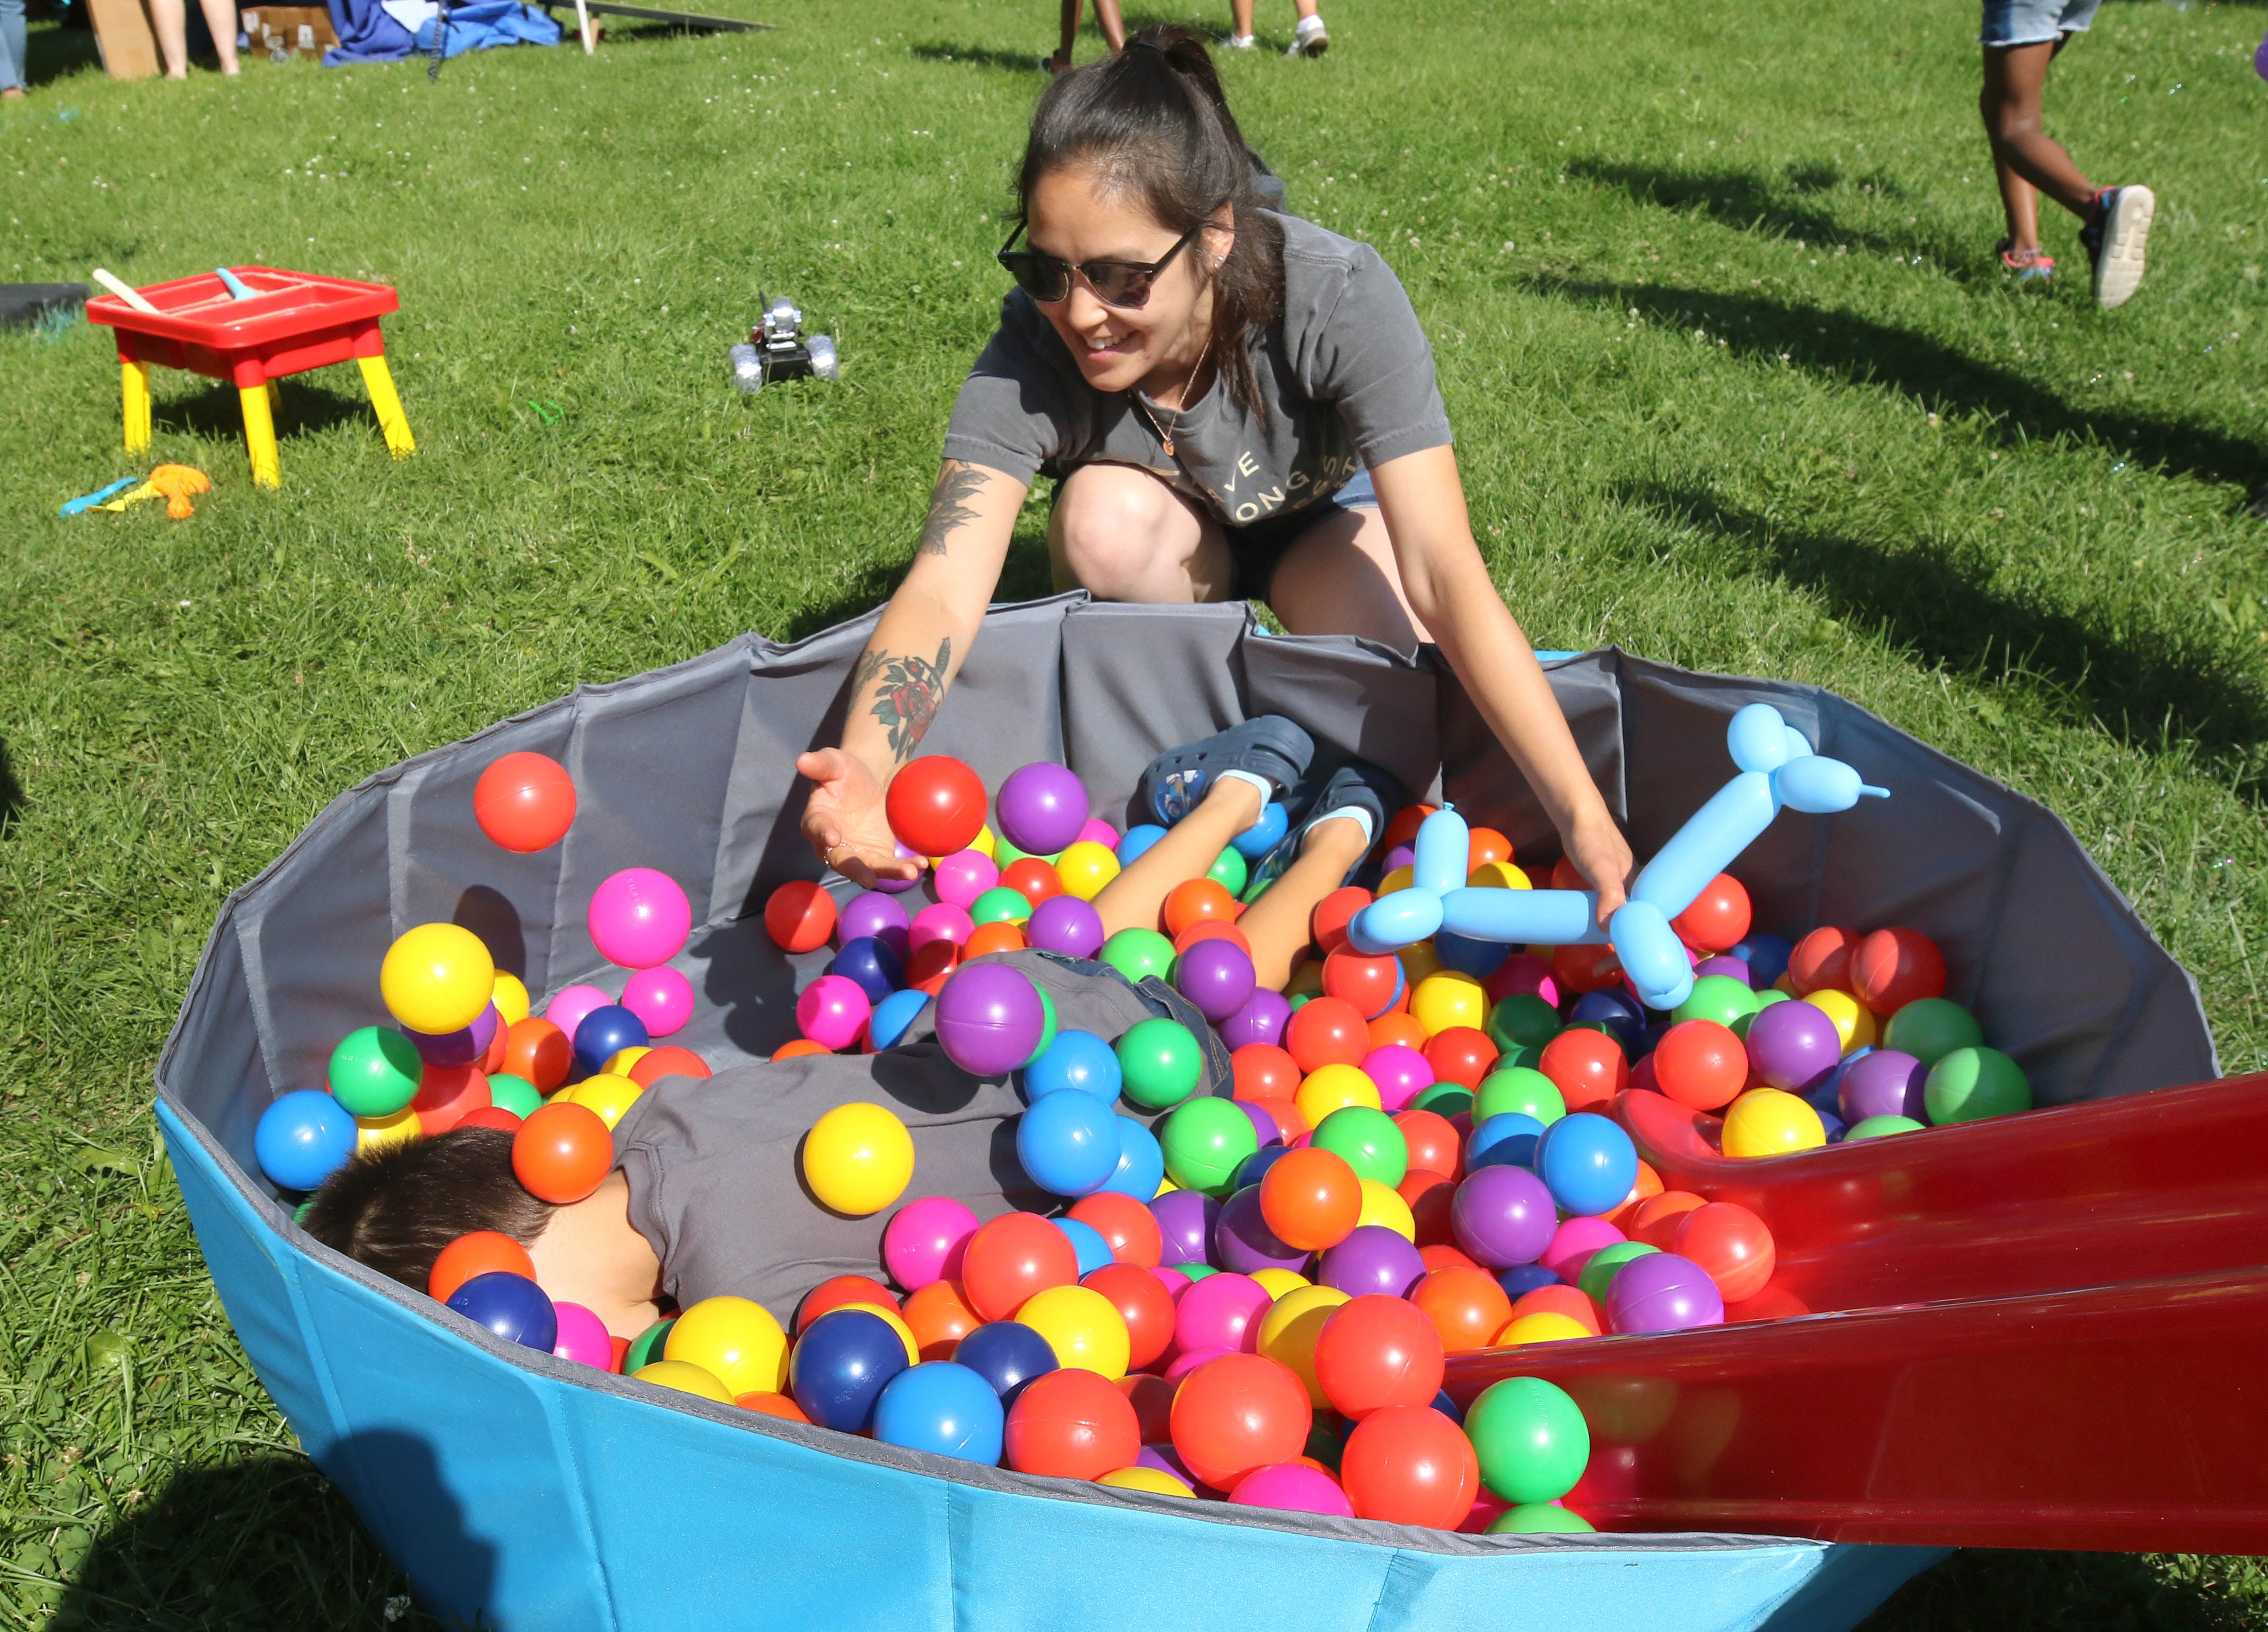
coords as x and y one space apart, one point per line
370 32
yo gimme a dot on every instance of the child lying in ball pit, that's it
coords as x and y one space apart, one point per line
707 1197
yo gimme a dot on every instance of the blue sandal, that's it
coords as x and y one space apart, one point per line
1269 745
1356 784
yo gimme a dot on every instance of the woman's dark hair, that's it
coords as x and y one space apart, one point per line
396 1207
1152 123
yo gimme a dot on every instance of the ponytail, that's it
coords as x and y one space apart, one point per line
1152 122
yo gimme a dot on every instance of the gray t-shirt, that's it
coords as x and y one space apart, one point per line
1348 381
714 1165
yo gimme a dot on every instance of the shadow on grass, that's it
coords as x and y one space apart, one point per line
1926 371
56 52
1033 61
989 56
2014 1591
12 793
1927 600
1024 577
303 406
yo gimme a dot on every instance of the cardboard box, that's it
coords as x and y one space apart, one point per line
297 30
123 38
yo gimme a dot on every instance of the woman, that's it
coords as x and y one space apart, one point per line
1239 404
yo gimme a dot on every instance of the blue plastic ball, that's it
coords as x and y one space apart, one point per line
894 1014
511 1305
1505 1140
1478 959
1766 956
1447 1408
1587 1163
1137 840
1141 1163
305 1136
1068 1143
605 1032
941 1407
1076 1061
1005 1355
870 965
1262 835
1834 1127
840 1364
1620 1013
1518 1279
1086 1241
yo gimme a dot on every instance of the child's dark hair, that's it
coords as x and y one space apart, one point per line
396 1207
1153 124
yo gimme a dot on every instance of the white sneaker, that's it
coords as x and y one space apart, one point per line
1309 38
1239 42
2116 240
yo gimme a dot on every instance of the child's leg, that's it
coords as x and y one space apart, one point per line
1108 19
1277 925
1070 35
2010 103
1240 20
2019 201
1133 899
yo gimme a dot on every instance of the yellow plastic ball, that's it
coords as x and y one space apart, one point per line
1448 999
1498 876
1288 1332
606 1094
510 996
1853 1022
1082 1326
1307 981
375 1133
1419 963
686 1377
1157 1480
1281 1283
437 978
986 842
1086 867
735 1340
1544 1326
1165 1187
857 1159
1382 1204
619 1062
1400 878
1765 1122
897 1324
1333 1088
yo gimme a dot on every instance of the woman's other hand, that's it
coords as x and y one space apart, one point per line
845 821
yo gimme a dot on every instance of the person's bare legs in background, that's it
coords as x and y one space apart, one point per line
1309 38
172 18
1106 17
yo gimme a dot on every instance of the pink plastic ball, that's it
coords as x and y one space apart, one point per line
959 880
583 1336
923 1241
639 918
1294 1487
1097 830
1189 1360
1221 1311
1572 1244
1173 1279
941 922
832 1010
663 998
1400 1072
569 1005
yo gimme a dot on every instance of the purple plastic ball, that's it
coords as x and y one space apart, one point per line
1731 968
1264 1125
1042 808
1374 1258
1794 1045
1662 1292
1884 1083
872 914
1166 1460
1185 1220
1261 1020
1217 975
457 1047
1503 1215
989 1018
1400 856
899 886
1066 925
1242 1241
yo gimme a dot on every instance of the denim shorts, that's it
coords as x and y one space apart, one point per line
2035 22
1256 549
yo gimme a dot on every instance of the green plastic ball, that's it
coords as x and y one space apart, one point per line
1519 1088
1538 1518
1326 1440
1302 1000
1229 871
375 1071
1196 1272
645 1348
1367 1141
1930 1028
1522 1020
1159 1062
1444 1099
1047 1022
1004 853
1718 997
515 1094
1531 1440
1881 1127
1971 1084
1205 1141
1138 954
1599 1273
1000 905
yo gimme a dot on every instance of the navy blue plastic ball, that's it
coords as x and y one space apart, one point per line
1478 959
1766 956
871 966
1617 1013
840 1365
1447 1408
605 1032
1522 1278
1005 1355
511 1305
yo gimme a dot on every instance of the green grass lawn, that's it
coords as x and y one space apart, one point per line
1736 379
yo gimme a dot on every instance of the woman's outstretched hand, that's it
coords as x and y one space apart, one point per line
1602 856
845 822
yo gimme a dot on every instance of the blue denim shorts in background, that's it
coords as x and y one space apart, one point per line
2035 22
1255 549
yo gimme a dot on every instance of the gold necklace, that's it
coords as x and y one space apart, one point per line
1164 435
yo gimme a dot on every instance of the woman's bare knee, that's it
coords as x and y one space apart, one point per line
1122 534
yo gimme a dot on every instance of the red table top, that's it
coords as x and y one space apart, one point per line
199 311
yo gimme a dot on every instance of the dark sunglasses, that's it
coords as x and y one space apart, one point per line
1122 284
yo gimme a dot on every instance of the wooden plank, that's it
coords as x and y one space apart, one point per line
122 34
679 20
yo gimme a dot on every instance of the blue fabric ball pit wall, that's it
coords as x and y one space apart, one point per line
520 1492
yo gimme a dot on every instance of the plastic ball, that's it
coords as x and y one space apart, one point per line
1229 871
1141 1167
1794 1047
1522 1020
1382 1205
1575 1242
1194 901
840 1364
539 1051
1161 1063
1520 1089
959 879
1588 1067
1508 1138
1892 968
1327 1031
1466 1307
1541 1327
468 1044
606 1031
894 1017
373 1072
1217 976
1539 1519
1973 1082
1032 879
1530 1438
1042 808
989 1018
1930 1028
1082 1326
1371 1258
437 978
999 905
1399 1072
1449 999
1614 1013
1259 1022
1007 1355
1586 1162
511 1306
1372 985
857 1159
1236 1412
870 965
525 802
582 1337
1335 1088
1503 1215
1066 925
477 1252
639 918
1220 1311
683 1376
515 1095
1144 1310
1139 954
1071 1425
1155 1480
1854 1026
1731 1244
1242 1240
1663 1292
942 1408
1433 1143
1655 1220
1205 1141
1367 1140
661 998
1881 1126
1822 958
1010 1259
999 935
1291 1328
939 1316
447 1095
1566 1301
563 1153
935 806
874 915
1882 1083
1311 1198
1700 1065
799 917
735 1340
1293 1487
1068 1143
1185 1225
1410 1465
1765 1122
923 1240
1718 918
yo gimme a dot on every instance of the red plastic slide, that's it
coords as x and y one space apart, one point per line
2045 1330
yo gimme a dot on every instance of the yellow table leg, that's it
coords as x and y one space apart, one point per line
135 379
379 380
260 437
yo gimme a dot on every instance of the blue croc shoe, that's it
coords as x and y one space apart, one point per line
1355 785
1269 746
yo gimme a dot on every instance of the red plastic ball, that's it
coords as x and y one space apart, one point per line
935 806
525 802
1654 1220
1402 827
1821 961
1072 1424
1153 1406
1433 1144
997 937
1466 1307
1732 1244
1442 1256
479 1251
562 1152
838 1290
1462 1055
1719 918
492 1116
447 1095
1327 1031
1127 1227
1375 1352
931 962
1700 1065
1399 1025
1585 969
1587 1067
1411 1465
669 1060
799 917
1892 968
1013 1257
539 1051
1371 984
1034 878
1238 1412
1327 924
1429 1196
1142 1303
1566 876
797 1047
1265 1071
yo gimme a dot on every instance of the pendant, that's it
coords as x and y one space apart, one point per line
1169 446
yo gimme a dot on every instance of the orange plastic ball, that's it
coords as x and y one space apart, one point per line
838 1290
1822 960
1195 899
562 1152
939 1317
799 917
499 1045
1371 984
1892 968
1654 1220
1291 1121
1000 936
667 1061
1560 1300
796 1048
1212 929
1466 1307
771 1405
540 1052
493 1116
1587 1067
935 806
1327 1031
1732 1244
1398 1025
1433 1143
1377 1352
1072 1424
1442 1256
1643 1189
1411 1465
1700 1065
1142 1303
1311 1198
1236 1412
1402 827
1013 1257
525 802
1462 1055
447 1094
480 1252
1483 845
1718 920
1264 1071
1034 878
1127 1227
1327 925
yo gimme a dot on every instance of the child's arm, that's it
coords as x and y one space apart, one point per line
901 678
1449 589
